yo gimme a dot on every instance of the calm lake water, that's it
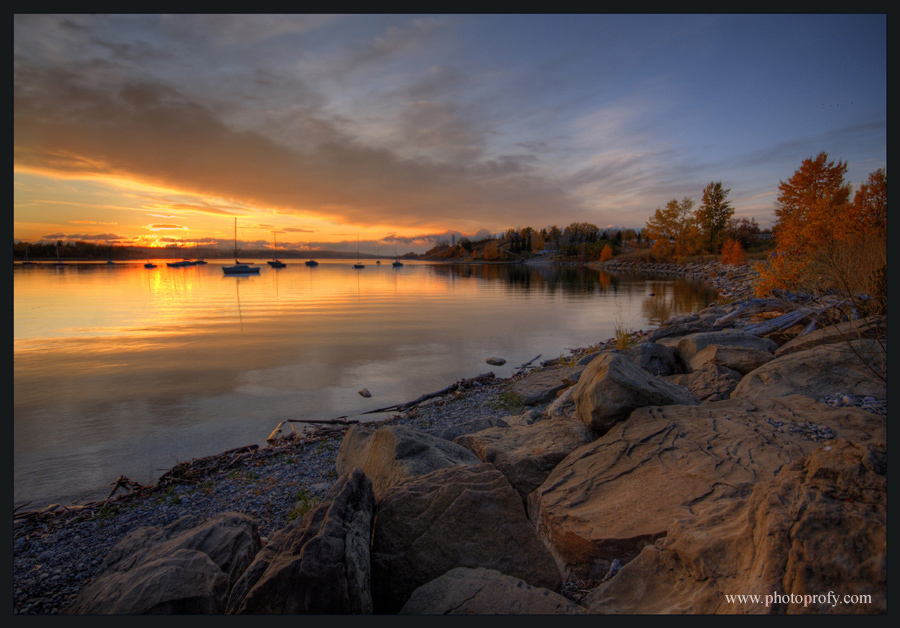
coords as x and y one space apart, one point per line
126 370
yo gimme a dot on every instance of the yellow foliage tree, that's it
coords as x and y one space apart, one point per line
674 229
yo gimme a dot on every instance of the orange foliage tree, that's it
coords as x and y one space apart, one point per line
732 252
606 254
818 230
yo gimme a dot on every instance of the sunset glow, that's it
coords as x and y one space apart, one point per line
400 130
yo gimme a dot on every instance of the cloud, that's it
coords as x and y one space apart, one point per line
151 133
391 42
108 238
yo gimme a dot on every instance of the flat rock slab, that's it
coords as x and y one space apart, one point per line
527 454
609 499
541 386
318 564
463 516
712 382
741 359
388 454
820 525
824 370
690 345
480 591
473 425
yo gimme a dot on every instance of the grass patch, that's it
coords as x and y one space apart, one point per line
303 504
509 401
624 337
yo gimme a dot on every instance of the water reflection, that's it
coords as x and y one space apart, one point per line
125 369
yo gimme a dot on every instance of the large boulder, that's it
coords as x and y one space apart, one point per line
527 454
463 516
542 386
388 454
230 539
563 407
711 382
480 591
812 535
690 345
612 386
740 359
824 370
655 358
317 564
185 567
185 582
870 327
610 498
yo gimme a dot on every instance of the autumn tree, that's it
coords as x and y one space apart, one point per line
713 215
732 253
819 237
869 210
606 254
674 228
554 234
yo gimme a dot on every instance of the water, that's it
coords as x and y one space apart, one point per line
122 370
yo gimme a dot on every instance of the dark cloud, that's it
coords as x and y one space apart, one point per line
109 238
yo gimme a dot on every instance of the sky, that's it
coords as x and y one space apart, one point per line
397 131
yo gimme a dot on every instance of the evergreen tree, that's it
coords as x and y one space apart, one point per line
713 215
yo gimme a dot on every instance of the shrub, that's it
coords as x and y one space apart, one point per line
732 253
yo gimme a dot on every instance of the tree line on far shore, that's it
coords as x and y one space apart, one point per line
823 240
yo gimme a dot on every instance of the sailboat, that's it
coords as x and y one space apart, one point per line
182 262
149 264
58 261
239 268
357 264
27 262
397 262
109 257
311 261
275 262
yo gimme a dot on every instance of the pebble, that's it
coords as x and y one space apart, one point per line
871 404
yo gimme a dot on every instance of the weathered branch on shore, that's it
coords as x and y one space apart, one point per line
524 366
463 383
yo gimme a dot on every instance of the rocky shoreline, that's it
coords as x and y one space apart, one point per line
527 446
